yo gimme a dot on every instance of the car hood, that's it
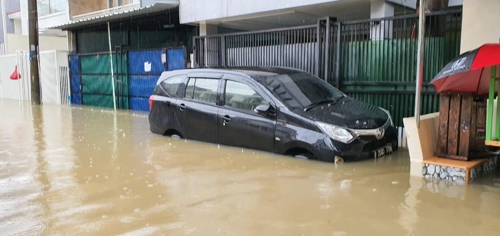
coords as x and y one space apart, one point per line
350 113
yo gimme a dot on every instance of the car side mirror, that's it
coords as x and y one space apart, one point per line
262 109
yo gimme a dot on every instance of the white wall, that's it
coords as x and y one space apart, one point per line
408 3
202 10
192 11
14 89
480 23
24 16
54 77
20 43
51 20
18 27
455 3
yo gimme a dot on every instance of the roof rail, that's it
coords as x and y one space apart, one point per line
252 67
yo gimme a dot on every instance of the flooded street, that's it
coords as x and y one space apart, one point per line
88 171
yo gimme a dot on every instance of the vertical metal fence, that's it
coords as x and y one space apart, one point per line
378 59
371 60
291 47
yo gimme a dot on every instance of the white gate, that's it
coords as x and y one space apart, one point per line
3 49
54 77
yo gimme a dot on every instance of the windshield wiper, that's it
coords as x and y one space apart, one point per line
313 105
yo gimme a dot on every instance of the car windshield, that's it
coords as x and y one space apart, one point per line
301 90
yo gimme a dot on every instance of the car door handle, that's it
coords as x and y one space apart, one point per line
182 107
226 119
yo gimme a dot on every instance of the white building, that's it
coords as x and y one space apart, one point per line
212 15
14 18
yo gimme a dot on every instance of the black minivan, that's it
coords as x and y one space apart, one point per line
282 111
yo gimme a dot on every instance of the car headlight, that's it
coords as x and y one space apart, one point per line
388 114
336 133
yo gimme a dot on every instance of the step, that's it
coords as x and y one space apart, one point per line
458 171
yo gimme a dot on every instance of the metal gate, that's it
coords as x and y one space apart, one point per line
75 79
121 77
371 60
146 67
135 73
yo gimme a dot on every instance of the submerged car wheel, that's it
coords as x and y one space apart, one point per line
176 136
305 156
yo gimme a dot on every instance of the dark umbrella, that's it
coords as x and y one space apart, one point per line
469 72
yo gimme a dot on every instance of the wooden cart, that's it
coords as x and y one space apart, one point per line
462 124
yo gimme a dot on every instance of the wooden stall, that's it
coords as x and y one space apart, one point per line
462 127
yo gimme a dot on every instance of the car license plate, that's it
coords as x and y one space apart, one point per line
382 151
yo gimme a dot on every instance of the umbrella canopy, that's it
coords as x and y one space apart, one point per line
469 72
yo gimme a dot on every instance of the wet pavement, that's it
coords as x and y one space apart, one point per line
84 171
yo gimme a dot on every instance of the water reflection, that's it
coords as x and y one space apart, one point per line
85 171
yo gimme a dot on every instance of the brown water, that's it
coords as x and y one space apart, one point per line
83 171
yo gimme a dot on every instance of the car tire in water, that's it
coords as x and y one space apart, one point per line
305 156
176 137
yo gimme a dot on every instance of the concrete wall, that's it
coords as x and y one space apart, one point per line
480 23
24 16
51 20
20 42
202 10
192 11
422 142
78 7
18 27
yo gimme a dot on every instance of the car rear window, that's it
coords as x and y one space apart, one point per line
171 86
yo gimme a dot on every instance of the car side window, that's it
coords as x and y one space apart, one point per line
241 96
202 89
171 86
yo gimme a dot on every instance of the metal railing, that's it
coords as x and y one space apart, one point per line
372 60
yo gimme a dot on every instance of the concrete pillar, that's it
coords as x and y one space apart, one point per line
208 29
479 24
422 142
381 29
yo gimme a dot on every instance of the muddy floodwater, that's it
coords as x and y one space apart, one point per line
88 171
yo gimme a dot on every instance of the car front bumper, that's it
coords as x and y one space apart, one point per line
360 149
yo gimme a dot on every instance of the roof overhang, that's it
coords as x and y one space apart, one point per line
15 15
135 12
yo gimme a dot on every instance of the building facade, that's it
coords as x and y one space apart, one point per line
14 27
118 53
212 15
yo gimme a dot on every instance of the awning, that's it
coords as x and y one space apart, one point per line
139 11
